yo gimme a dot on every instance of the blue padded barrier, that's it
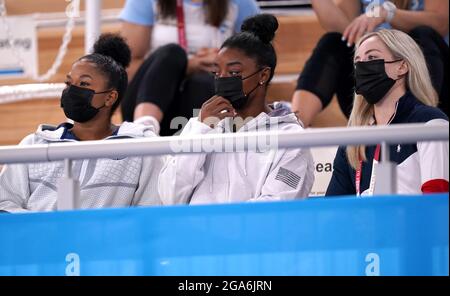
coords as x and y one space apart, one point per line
343 236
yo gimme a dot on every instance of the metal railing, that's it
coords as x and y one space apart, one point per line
384 135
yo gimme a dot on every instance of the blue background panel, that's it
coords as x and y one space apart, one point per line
347 236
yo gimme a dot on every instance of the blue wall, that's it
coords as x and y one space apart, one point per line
386 236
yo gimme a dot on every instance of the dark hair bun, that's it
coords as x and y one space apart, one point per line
263 26
115 47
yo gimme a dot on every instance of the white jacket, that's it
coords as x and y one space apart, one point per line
239 176
103 182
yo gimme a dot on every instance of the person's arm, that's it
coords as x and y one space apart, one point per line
341 182
14 188
147 192
182 173
336 15
203 60
435 16
434 164
15 185
137 21
292 177
138 38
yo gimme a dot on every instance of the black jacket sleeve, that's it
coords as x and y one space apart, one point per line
342 182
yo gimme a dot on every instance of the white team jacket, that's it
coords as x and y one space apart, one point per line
240 176
103 182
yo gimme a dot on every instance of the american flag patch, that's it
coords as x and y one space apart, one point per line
289 178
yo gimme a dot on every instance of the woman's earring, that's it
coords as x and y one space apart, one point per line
261 82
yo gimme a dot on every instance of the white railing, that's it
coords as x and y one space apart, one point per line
32 91
396 134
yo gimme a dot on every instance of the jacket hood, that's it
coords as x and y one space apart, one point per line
280 116
52 133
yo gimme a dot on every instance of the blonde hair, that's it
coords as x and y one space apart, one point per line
418 81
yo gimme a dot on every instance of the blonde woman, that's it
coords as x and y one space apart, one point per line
393 86
328 72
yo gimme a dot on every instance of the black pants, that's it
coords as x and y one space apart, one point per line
162 80
330 69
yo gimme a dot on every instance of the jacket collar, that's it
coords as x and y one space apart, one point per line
404 107
61 133
280 114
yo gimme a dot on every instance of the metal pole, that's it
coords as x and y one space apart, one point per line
385 153
386 173
68 168
68 189
93 23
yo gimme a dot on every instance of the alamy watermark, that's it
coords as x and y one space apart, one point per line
73 264
216 140
373 266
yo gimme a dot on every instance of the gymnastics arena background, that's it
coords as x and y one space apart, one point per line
388 234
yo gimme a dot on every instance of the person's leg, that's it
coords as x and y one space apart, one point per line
345 90
306 105
436 54
159 80
197 89
320 77
128 103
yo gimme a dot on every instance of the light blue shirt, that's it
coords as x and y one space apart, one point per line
415 5
142 11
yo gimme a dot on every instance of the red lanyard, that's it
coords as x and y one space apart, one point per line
181 25
376 157
359 171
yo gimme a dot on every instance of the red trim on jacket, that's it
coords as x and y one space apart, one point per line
435 186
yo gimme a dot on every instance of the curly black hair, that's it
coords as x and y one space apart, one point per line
255 40
112 55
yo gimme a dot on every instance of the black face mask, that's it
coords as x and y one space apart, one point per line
76 103
372 81
231 88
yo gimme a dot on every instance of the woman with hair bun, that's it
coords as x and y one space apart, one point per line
243 70
95 87
173 43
